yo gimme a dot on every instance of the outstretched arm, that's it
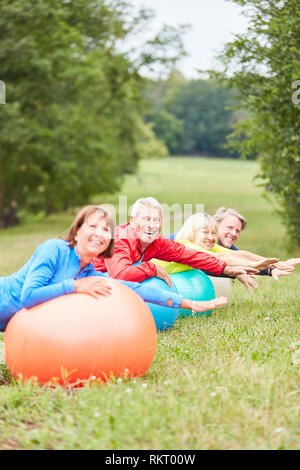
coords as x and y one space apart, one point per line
171 299
155 295
237 259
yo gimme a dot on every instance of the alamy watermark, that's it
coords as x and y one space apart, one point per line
173 216
296 94
2 92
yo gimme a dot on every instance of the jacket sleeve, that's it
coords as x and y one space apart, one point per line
36 288
155 295
120 265
174 251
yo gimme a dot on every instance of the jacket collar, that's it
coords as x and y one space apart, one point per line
126 232
88 268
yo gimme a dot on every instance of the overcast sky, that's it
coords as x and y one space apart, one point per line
214 22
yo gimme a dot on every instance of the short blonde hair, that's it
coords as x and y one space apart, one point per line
223 212
79 220
194 223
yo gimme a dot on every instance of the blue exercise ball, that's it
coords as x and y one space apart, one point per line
164 317
194 285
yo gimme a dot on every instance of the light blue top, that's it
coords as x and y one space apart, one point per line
50 273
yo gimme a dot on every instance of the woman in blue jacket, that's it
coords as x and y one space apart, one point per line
59 267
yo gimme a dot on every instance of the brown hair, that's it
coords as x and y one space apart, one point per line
79 220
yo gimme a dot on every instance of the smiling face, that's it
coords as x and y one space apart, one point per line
147 224
229 230
93 237
206 237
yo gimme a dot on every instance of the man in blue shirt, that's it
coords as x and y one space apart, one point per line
230 225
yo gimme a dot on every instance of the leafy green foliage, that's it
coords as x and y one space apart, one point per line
264 65
192 116
71 124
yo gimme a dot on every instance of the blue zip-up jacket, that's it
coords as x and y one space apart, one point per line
50 273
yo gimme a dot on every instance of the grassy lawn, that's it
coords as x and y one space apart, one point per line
226 381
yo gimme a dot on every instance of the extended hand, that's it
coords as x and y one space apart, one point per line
234 271
265 263
203 305
276 273
287 265
93 286
162 274
248 281
293 261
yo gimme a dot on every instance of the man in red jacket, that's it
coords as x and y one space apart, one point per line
140 240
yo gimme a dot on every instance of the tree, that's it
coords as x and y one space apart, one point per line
71 126
167 127
264 65
203 107
191 116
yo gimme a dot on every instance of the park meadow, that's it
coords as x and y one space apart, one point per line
229 380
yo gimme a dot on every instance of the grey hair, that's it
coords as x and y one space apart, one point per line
223 212
145 201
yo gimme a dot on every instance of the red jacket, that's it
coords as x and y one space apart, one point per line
128 251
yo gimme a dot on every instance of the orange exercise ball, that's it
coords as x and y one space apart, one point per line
76 337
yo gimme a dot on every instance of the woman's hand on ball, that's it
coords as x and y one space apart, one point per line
93 286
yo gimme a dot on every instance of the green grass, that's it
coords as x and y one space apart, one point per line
227 381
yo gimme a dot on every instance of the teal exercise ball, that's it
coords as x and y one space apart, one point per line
164 317
194 285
